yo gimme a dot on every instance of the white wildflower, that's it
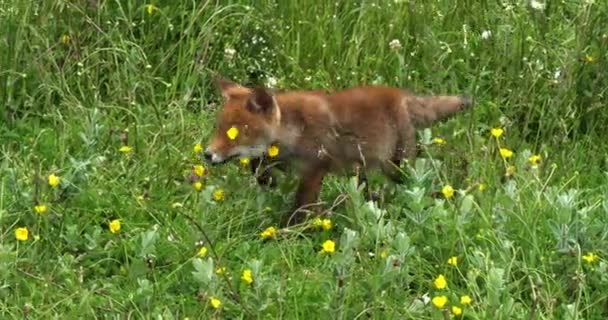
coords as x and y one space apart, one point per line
229 53
395 44
536 5
487 34
271 82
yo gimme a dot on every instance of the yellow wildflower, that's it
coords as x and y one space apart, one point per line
220 270
384 254
215 302
590 257
114 226
589 58
202 252
326 224
456 310
535 159
125 149
232 133
482 187
37 237
218 195
465 300
66 39
199 170
21 234
448 191
439 301
439 141
268 233
453 261
247 276
497 132
150 8
328 246
54 180
440 282
40 209
506 153
198 186
244 161
198 148
273 151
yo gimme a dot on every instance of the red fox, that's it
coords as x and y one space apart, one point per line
322 133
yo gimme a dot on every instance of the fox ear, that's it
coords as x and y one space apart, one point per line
261 101
229 88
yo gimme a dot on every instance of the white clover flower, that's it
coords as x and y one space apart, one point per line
537 5
395 44
487 34
229 53
271 82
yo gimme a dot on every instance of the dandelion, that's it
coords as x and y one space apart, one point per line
40 209
395 44
456 310
66 39
448 191
535 159
125 149
536 5
247 276
273 151
497 132
590 258
215 302
114 226
198 186
465 300
486 34
220 270
506 153
439 141
21 234
218 195
150 8
202 252
199 170
439 301
244 162
268 233
37 237
328 247
54 180
453 261
197 148
232 133
440 282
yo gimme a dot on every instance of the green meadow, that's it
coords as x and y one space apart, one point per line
108 212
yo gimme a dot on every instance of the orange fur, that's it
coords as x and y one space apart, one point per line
321 133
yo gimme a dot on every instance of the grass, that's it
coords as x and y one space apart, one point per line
83 79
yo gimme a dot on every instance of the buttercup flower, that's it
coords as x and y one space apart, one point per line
232 133
439 141
125 149
440 282
244 161
384 254
534 159
589 58
66 39
150 8
328 246
114 226
465 300
506 153
21 234
197 148
40 209
220 270
590 258
53 180
215 302
247 276
202 252
453 261
199 170
218 195
273 151
198 186
448 191
268 233
439 301
456 310
482 187
497 132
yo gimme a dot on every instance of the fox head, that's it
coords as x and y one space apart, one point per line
246 125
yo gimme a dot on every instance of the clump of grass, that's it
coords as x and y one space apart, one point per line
104 208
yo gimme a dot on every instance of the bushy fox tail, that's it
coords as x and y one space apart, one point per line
424 111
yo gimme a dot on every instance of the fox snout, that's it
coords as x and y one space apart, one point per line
213 157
